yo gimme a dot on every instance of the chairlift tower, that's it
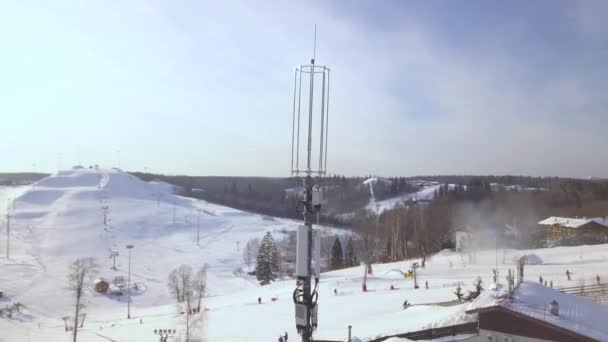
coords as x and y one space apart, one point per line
316 122
113 255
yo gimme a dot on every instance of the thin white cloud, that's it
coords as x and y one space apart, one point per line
210 84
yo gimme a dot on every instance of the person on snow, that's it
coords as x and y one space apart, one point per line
406 304
259 300
426 284
336 292
281 339
597 279
569 274
392 287
286 336
540 279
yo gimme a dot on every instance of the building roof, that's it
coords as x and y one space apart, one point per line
573 222
532 300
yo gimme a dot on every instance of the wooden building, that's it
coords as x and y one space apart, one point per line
567 226
536 313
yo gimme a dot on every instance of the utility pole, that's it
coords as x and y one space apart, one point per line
105 210
8 233
173 211
198 228
129 247
305 296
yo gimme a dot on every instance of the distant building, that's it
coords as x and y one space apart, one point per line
463 240
536 313
575 227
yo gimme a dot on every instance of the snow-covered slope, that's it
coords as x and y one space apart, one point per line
60 219
426 193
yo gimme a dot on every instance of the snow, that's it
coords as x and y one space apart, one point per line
427 193
59 219
533 259
572 222
533 300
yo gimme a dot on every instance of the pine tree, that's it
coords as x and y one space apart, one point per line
337 258
459 293
275 261
267 265
350 258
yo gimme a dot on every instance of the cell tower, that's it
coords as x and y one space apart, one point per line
305 296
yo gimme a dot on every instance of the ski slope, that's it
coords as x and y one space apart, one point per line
60 218
425 194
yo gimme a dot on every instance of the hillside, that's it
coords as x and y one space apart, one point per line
60 218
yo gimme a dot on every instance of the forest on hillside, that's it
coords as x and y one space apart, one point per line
490 205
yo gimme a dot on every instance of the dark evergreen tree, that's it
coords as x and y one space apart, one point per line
337 257
267 265
459 293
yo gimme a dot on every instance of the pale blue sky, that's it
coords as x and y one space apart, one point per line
204 88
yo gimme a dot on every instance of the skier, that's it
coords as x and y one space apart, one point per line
286 336
259 300
597 279
540 279
406 304
281 338
568 274
336 292
392 287
426 284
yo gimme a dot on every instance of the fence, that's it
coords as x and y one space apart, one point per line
596 293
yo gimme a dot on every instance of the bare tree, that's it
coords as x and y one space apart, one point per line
200 285
250 252
180 281
173 284
190 319
247 254
81 272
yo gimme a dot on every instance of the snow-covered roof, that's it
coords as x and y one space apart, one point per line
532 300
572 222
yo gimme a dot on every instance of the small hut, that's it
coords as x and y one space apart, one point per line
101 285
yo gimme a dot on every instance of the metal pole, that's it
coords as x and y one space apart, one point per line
129 247
350 328
322 123
310 107
326 122
8 232
293 116
198 229
129 288
298 136
307 332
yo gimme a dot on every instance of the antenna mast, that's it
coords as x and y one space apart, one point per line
305 296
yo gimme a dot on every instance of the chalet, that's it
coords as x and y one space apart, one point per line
536 313
566 226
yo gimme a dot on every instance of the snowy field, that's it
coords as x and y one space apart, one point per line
60 219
